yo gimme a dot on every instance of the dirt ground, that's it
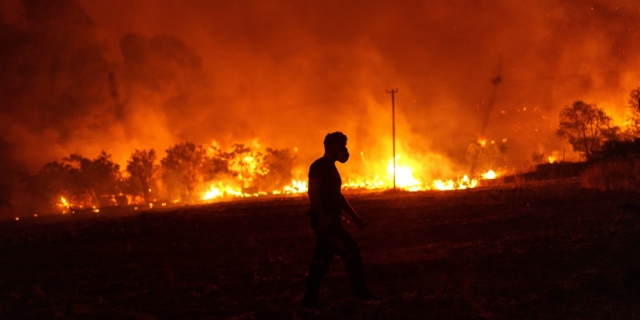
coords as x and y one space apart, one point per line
550 250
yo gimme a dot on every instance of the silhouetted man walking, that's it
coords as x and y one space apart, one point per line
327 204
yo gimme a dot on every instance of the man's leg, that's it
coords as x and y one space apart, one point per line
322 257
349 252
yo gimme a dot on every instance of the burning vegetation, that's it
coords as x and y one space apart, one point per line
191 173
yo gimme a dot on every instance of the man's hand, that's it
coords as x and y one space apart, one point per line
359 222
352 213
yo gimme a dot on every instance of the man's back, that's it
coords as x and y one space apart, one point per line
324 175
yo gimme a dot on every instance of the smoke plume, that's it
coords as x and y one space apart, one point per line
84 76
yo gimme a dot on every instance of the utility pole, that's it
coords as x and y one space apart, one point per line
393 125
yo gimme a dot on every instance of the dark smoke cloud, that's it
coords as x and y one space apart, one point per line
54 79
117 75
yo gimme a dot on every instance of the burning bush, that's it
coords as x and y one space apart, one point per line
78 179
280 164
142 168
634 116
192 173
183 168
247 165
586 127
244 171
485 155
613 174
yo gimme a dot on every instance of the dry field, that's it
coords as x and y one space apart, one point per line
550 250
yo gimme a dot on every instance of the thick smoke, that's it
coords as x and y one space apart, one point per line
80 77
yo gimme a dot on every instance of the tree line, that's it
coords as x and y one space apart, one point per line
590 132
185 170
182 174
587 128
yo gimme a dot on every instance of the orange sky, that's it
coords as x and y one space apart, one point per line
84 76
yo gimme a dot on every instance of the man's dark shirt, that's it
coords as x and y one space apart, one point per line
330 183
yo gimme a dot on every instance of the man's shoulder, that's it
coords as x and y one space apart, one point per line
321 165
319 162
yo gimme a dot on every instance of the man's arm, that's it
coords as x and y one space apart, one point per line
346 207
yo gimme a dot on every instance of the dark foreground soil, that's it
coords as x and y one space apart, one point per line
547 251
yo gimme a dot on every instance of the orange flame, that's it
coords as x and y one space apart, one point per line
64 205
220 190
489 175
405 179
404 175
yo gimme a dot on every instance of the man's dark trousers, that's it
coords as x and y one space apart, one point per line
337 241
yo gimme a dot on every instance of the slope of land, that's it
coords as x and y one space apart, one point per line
550 250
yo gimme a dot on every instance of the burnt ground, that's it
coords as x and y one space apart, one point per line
540 251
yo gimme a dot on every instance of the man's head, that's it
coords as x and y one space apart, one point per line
335 146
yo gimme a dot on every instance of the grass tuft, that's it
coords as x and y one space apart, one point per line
615 174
